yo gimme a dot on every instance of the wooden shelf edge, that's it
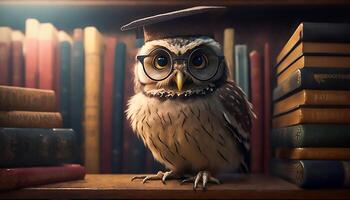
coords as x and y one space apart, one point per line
121 187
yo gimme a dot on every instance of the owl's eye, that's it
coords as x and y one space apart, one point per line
199 61
161 62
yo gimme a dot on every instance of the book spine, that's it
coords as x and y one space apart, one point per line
31 53
26 99
65 62
92 106
27 119
315 78
325 115
108 74
311 135
313 153
313 173
229 51
47 54
5 56
134 155
242 72
13 178
118 108
77 89
257 96
325 32
36 146
17 59
267 106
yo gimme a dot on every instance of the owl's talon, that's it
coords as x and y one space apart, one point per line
203 176
159 176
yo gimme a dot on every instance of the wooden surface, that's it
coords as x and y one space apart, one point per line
121 187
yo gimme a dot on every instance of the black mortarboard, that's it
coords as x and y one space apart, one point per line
195 21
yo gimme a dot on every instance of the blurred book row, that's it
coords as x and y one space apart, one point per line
311 111
91 75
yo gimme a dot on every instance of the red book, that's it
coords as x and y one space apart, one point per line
5 55
257 97
267 107
108 77
12 178
47 56
17 59
31 53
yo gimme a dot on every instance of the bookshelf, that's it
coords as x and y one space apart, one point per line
255 22
120 187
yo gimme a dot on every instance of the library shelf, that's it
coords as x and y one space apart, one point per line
113 186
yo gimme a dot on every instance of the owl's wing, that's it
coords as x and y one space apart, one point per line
238 116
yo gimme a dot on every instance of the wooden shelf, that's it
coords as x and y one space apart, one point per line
121 187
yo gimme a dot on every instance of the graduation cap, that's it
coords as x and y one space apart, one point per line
195 21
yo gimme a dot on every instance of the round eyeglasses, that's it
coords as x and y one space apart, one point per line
202 63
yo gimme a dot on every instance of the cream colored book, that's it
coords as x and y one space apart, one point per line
93 43
229 50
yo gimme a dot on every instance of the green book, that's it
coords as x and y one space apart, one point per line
311 135
22 147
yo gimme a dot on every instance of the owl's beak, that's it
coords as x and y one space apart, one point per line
179 80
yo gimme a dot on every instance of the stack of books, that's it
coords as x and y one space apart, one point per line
311 123
34 149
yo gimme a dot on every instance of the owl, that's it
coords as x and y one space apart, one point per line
193 119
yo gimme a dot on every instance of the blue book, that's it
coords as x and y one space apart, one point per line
241 68
65 63
118 108
313 173
77 91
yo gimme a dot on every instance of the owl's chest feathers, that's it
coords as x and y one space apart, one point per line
184 134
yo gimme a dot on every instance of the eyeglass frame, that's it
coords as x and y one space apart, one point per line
183 57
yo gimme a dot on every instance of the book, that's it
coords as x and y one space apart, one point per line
29 119
311 135
316 32
77 87
27 99
315 49
65 65
37 147
17 58
47 42
313 115
312 98
241 68
313 153
92 107
31 50
311 62
313 173
229 51
267 106
118 108
313 78
107 106
134 152
257 96
5 55
13 178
